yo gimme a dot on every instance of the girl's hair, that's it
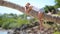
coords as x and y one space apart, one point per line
28 3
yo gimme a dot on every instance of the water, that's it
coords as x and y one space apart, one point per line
3 32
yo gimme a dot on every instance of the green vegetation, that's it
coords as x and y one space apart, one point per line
50 9
8 21
57 5
57 32
53 9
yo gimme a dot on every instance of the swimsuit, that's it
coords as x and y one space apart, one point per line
38 10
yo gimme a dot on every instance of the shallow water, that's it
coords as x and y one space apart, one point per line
3 32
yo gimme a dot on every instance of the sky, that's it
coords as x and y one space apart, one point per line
37 3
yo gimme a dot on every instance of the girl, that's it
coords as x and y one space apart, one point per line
28 8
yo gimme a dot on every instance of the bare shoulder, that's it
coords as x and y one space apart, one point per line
30 7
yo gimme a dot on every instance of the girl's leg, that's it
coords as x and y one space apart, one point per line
40 17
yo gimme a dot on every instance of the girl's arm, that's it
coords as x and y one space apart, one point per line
25 8
28 10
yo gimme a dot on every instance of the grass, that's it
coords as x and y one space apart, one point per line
58 13
57 32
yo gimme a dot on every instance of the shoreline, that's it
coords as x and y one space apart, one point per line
8 30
